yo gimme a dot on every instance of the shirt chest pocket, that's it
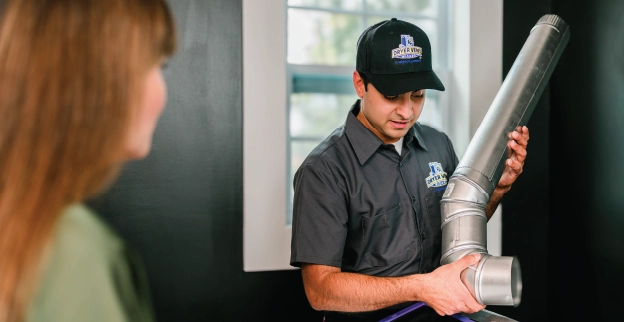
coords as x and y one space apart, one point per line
385 242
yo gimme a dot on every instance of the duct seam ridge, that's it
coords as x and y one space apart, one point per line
469 180
451 201
453 250
463 214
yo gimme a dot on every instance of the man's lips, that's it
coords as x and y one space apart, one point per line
399 124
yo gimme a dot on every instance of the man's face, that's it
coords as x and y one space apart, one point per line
389 117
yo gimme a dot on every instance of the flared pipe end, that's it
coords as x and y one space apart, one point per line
516 282
495 281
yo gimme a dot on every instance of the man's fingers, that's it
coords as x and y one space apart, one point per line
471 305
468 260
476 307
525 133
519 138
515 166
516 151
520 134
517 146
524 130
474 258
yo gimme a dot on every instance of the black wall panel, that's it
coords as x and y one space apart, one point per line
181 207
565 216
586 259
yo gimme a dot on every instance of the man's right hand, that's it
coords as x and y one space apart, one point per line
446 293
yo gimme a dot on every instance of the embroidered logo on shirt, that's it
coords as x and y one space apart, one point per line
407 50
437 176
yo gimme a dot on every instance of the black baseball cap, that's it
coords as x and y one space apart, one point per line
395 56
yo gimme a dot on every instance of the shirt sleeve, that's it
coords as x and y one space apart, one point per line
454 159
319 218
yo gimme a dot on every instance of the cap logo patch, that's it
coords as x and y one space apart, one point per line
406 49
437 176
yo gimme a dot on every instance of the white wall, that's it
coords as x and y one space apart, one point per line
477 75
266 237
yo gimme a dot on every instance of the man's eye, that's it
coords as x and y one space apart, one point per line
392 98
418 95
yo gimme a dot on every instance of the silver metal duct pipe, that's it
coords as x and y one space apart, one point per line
497 280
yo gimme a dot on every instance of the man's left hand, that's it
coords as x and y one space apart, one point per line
516 147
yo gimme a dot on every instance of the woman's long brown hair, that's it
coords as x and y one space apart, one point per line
71 82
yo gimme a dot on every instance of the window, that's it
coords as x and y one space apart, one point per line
321 51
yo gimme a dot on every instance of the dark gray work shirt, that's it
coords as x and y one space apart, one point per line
361 206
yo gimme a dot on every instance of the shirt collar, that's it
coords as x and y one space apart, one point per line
365 142
417 133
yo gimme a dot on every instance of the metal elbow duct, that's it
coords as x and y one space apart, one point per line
497 280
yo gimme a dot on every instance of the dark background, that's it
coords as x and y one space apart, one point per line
181 208
564 218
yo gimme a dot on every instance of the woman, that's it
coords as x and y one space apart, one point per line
81 90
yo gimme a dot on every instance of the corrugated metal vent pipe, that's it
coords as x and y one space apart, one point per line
497 280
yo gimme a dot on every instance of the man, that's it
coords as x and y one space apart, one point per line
366 219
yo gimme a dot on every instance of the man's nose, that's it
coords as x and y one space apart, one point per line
405 108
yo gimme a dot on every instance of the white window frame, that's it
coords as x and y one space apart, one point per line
475 79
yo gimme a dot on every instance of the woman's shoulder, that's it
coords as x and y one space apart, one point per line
82 246
81 232
89 273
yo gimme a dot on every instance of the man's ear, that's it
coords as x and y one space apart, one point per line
358 84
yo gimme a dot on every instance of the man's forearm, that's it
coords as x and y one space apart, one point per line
350 292
495 199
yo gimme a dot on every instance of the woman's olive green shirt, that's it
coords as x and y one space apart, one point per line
90 275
